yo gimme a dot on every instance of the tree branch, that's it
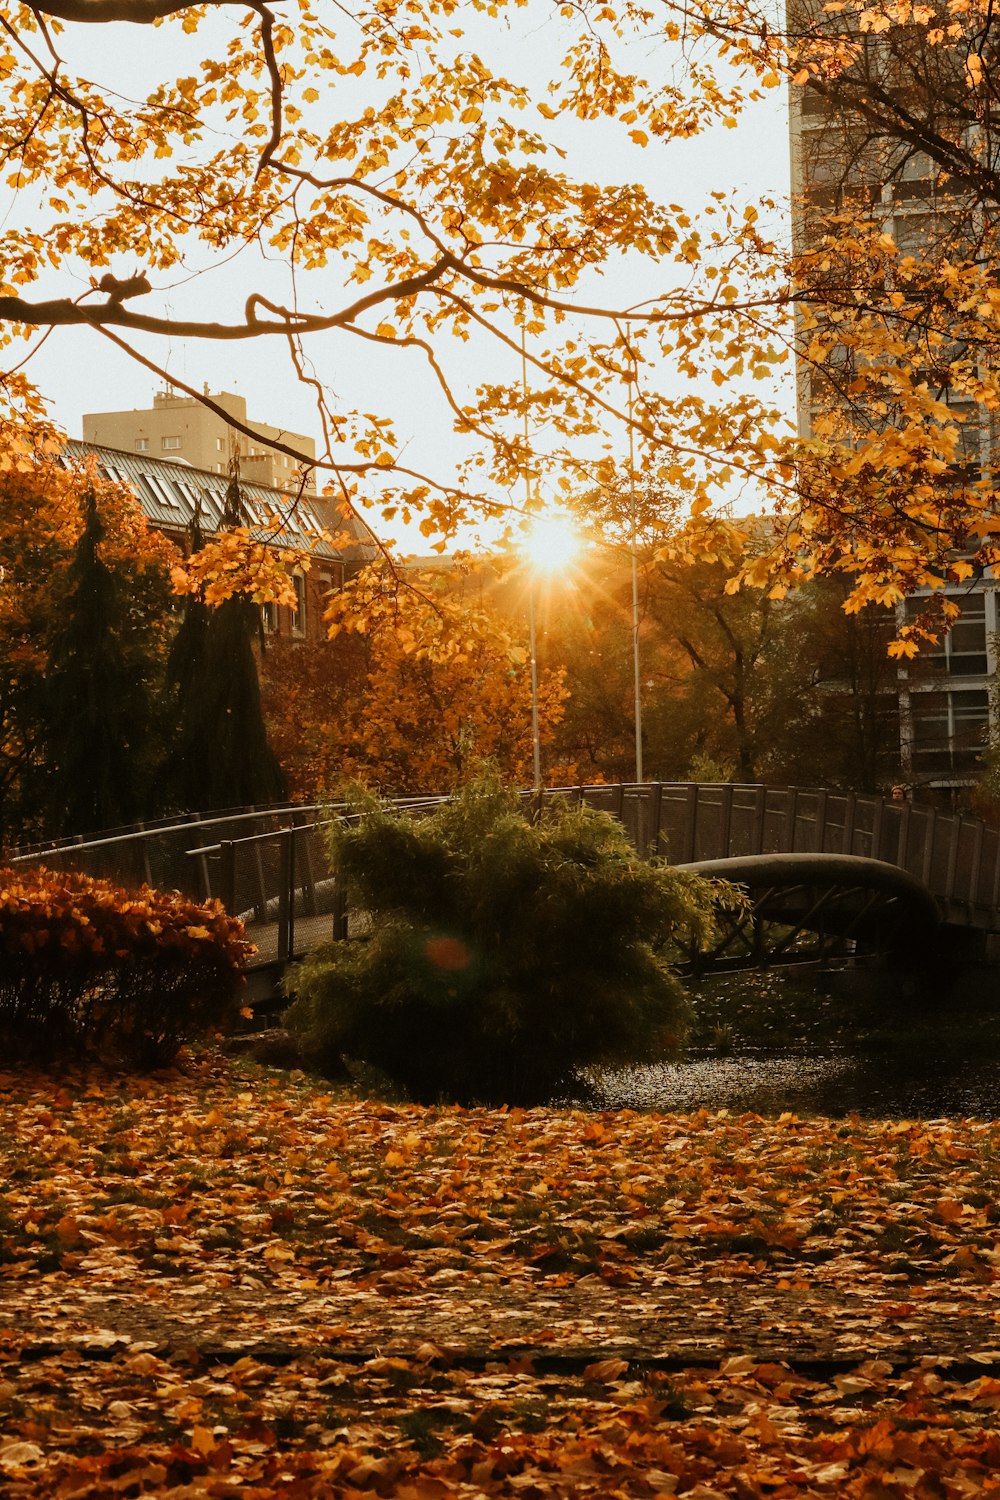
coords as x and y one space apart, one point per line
114 314
96 12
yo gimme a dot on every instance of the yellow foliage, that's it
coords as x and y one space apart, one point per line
413 690
432 207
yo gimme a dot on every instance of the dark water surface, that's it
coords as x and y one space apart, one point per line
873 1086
879 1045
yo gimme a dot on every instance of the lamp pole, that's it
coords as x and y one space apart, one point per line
536 743
636 680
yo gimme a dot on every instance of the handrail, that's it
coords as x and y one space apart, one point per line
956 858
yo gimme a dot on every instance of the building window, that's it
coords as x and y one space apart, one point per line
169 443
163 490
269 616
142 445
219 445
962 651
949 731
299 617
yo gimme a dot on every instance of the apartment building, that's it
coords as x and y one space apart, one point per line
178 426
948 703
173 492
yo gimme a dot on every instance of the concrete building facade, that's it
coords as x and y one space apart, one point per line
947 697
180 427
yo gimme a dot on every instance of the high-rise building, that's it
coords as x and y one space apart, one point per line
177 426
841 164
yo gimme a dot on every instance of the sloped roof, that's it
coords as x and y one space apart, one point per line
170 492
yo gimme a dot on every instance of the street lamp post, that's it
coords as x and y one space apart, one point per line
636 680
536 744
549 545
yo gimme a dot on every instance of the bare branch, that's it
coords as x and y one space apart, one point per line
113 313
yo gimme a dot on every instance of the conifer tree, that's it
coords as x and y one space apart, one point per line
221 756
99 695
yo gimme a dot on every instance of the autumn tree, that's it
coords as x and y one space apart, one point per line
432 688
35 543
309 690
432 208
429 208
895 285
99 628
734 685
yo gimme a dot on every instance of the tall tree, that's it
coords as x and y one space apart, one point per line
220 755
734 686
42 519
99 694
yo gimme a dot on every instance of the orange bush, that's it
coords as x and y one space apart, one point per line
90 969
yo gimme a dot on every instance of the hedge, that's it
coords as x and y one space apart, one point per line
93 971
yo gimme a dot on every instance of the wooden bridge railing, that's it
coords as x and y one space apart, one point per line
957 858
269 864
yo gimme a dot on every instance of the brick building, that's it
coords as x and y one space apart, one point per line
170 493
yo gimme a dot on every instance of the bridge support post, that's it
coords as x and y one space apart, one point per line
850 817
227 875
691 796
286 895
726 818
656 814
759 819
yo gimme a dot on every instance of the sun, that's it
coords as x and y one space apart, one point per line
551 543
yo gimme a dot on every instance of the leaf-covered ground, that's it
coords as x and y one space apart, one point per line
224 1281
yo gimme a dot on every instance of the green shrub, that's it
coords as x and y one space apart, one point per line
503 957
88 970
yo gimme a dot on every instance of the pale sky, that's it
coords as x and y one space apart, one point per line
78 371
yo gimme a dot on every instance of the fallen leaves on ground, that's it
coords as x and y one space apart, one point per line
223 1281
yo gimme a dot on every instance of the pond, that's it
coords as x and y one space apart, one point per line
877 1087
874 1044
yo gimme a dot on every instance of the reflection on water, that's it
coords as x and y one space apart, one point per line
888 1085
872 1042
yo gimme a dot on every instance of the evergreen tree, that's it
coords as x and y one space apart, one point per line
221 756
99 695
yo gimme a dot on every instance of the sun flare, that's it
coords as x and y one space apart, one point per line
551 543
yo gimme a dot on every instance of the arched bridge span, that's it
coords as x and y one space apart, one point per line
857 872
818 909
829 875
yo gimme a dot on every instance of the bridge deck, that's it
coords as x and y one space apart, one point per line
270 865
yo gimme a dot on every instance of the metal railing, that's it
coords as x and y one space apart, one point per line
270 866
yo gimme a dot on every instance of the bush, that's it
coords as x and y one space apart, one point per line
91 970
504 956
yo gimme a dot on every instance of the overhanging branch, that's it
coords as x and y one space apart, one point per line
91 12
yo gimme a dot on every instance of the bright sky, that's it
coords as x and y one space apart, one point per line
81 372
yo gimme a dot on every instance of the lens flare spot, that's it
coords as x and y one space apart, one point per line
447 953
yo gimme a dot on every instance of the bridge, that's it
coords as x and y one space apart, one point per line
829 876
